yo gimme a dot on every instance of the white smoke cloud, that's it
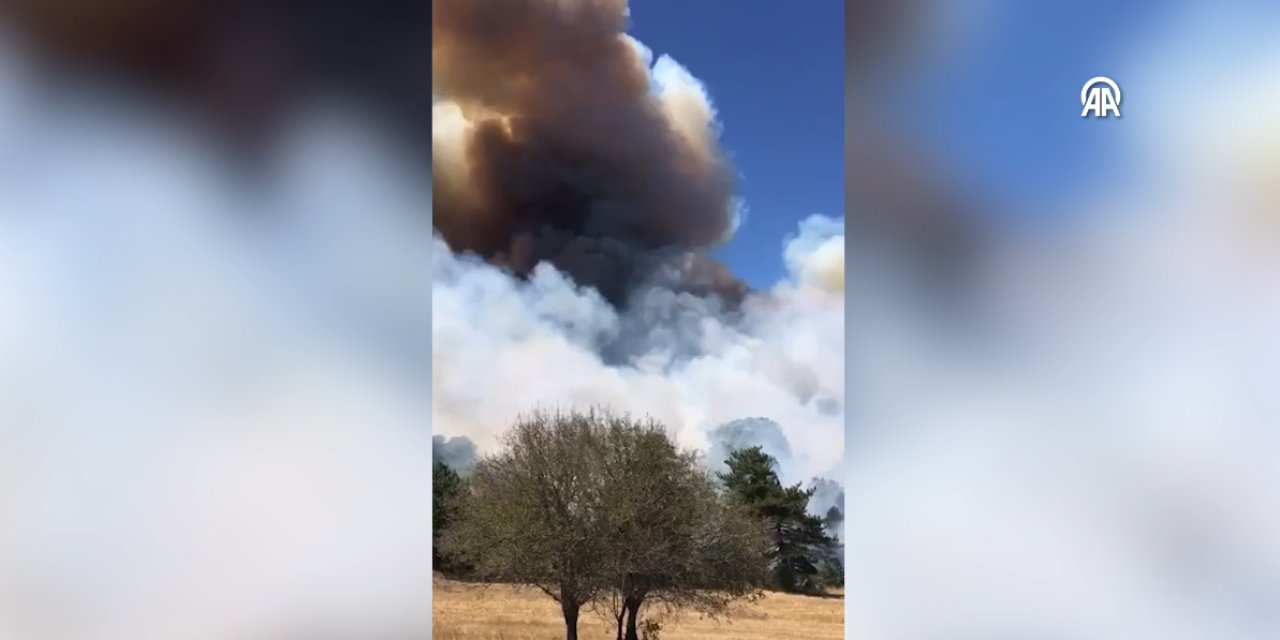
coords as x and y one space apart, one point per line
503 347
816 255
686 102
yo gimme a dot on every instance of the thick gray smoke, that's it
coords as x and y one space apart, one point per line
748 432
827 502
457 453
503 345
551 144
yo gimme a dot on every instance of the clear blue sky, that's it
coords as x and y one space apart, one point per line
775 71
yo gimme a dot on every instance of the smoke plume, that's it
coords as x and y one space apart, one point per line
578 186
744 433
458 453
827 502
555 141
503 345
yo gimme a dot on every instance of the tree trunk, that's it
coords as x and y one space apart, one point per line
633 615
570 610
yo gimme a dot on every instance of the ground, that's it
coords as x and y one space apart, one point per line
502 612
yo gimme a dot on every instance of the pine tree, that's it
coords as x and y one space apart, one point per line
446 485
800 540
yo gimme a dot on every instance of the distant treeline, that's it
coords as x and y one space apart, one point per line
604 512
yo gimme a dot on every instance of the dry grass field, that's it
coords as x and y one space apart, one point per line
501 612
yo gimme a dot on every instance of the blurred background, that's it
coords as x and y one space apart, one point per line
214 320
1062 357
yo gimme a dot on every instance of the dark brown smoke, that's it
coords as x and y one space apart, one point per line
569 158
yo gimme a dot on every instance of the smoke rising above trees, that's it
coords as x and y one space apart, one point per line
578 188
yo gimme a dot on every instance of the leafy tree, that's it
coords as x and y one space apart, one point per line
800 543
602 510
674 541
532 513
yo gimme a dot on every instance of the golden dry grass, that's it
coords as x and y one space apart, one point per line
502 612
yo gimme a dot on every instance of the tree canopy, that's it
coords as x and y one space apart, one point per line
446 489
801 546
603 510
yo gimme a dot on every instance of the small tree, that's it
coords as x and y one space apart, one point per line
723 564
532 513
800 543
673 540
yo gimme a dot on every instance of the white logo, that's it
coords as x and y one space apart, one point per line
1100 95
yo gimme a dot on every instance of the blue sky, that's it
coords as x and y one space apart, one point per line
775 71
